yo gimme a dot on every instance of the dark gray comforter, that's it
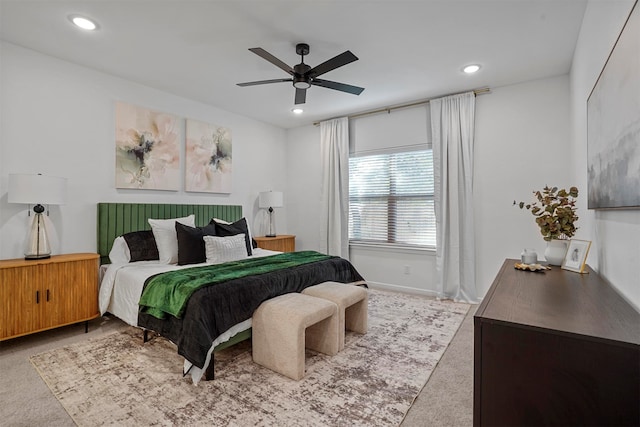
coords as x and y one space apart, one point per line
214 309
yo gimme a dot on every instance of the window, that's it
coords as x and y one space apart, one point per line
391 199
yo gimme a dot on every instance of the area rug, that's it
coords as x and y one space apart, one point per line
118 380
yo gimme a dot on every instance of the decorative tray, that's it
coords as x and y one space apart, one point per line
531 267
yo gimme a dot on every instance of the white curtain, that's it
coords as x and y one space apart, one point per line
334 151
452 129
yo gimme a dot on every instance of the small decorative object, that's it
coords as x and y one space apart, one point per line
555 251
555 213
576 256
531 267
529 256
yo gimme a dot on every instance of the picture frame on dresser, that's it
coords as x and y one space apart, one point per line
576 257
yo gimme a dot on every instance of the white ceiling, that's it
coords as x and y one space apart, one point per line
408 50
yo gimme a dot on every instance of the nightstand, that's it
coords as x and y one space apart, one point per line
281 243
36 295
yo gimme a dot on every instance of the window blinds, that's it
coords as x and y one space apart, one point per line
391 198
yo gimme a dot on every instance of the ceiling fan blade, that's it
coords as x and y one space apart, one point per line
301 96
337 61
275 61
264 82
338 86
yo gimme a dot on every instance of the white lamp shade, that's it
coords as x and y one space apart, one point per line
270 199
37 189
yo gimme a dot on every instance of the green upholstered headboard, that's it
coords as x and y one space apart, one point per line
115 219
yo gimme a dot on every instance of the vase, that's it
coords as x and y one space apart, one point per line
555 251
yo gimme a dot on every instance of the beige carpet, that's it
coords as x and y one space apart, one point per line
118 380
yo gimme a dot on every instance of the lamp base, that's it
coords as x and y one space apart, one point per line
272 224
42 256
38 241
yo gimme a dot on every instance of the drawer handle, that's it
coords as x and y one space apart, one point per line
47 295
37 297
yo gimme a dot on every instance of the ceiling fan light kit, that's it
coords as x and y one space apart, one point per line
303 76
300 82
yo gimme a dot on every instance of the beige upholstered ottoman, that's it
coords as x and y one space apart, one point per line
352 305
284 324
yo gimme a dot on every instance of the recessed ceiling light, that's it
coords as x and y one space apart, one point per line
470 69
82 22
297 111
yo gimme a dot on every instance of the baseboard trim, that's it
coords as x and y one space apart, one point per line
401 289
411 291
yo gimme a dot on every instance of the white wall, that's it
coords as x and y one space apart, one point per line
58 119
302 194
615 233
522 143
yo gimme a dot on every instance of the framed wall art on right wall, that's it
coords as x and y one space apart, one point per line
613 124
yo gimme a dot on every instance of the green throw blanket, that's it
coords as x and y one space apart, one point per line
167 293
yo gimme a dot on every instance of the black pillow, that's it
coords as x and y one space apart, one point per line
142 245
238 227
191 244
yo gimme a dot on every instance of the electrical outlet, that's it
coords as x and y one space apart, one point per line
407 269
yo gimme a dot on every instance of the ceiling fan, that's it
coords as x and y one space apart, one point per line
303 76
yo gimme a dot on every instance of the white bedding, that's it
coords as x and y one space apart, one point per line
121 288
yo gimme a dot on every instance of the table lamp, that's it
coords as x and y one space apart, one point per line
37 190
270 200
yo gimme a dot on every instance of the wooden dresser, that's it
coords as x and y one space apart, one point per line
36 295
282 243
555 348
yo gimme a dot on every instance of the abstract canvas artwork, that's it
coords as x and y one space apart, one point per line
613 125
208 158
147 148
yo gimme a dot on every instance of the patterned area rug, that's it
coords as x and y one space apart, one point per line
118 380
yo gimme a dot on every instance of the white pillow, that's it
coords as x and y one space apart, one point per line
120 253
222 249
164 231
221 221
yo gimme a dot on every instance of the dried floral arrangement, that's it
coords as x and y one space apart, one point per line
555 212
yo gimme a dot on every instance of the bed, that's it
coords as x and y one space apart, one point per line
213 316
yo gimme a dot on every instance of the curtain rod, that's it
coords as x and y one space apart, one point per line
412 104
